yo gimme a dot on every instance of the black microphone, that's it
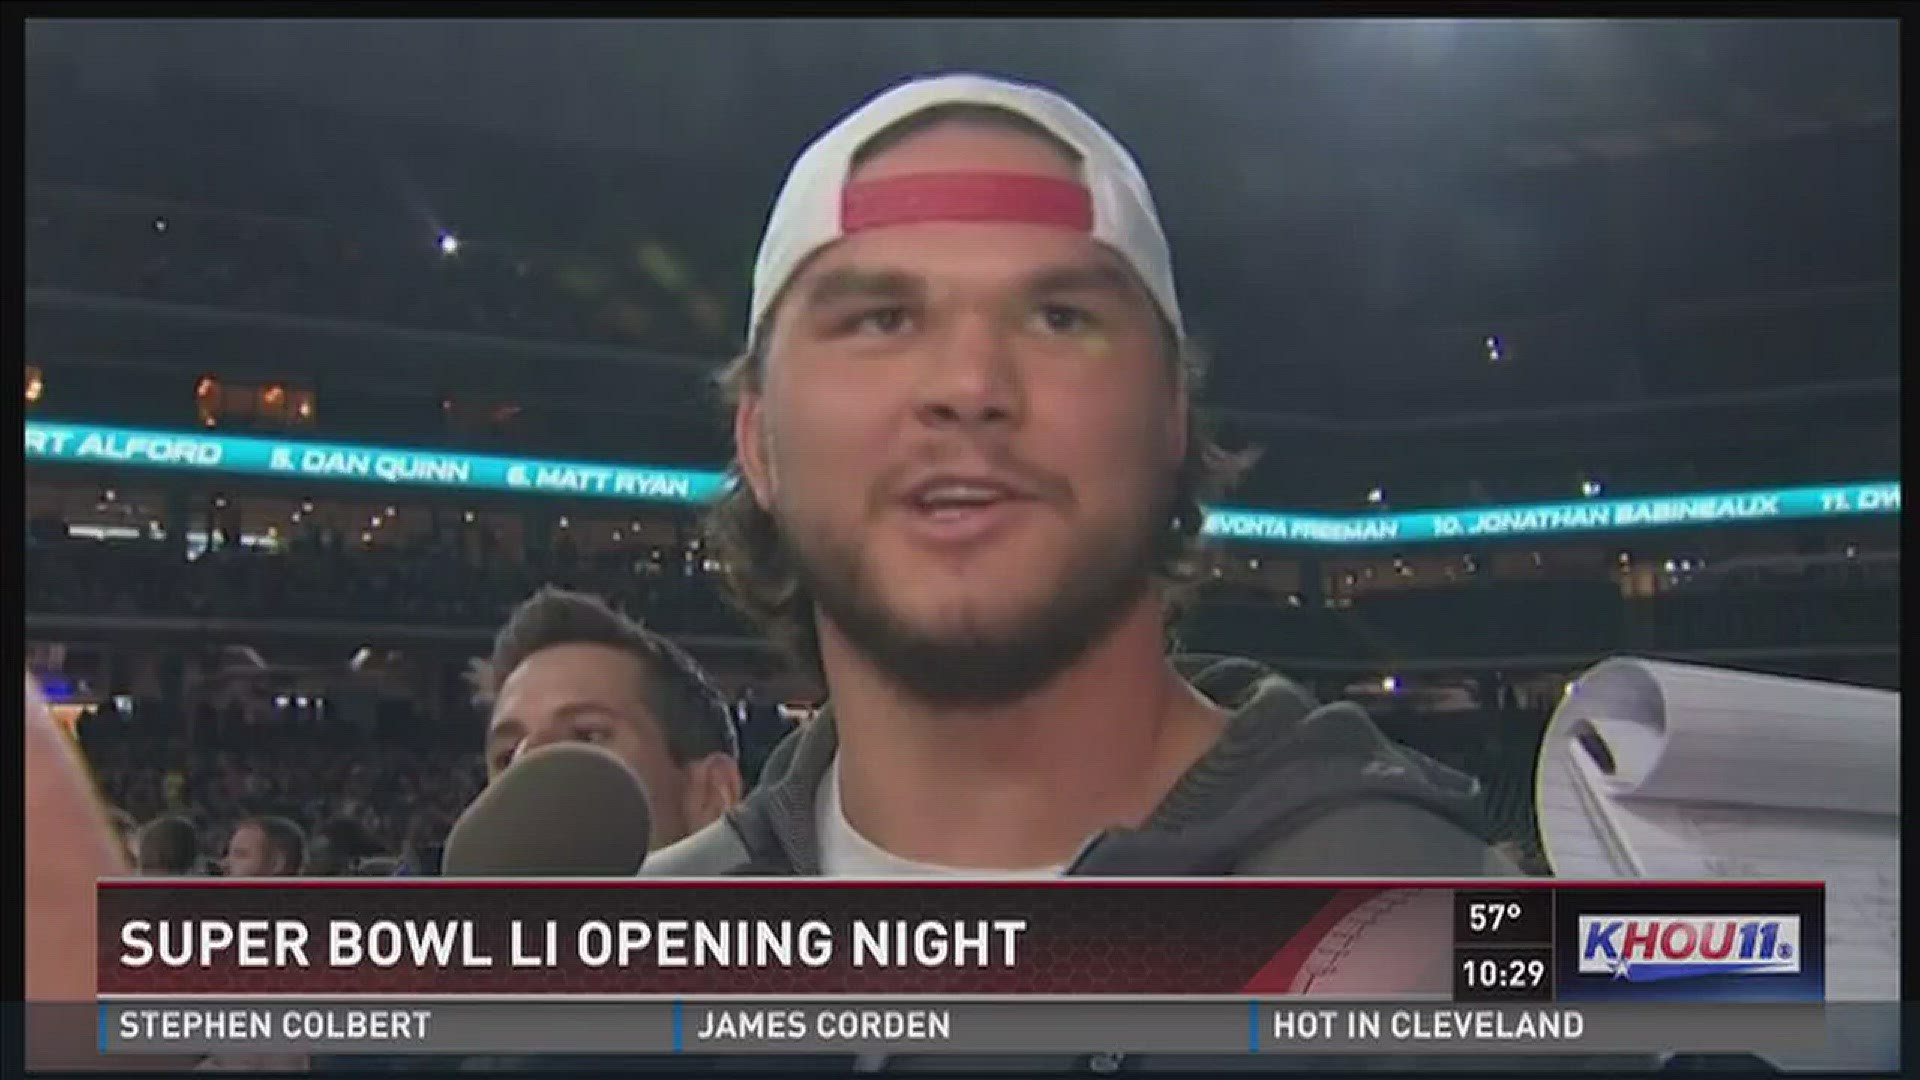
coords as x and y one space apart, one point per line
568 810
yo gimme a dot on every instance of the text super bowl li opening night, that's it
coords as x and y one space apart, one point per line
671 943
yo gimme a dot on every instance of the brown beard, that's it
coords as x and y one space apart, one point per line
972 666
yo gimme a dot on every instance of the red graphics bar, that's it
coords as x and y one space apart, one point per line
1464 941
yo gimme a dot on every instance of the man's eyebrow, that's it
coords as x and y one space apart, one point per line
1099 277
577 709
849 282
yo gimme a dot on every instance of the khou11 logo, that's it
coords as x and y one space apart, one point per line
1651 948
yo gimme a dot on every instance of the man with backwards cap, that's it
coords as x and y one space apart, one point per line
971 476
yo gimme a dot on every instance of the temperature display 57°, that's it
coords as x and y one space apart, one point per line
1519 917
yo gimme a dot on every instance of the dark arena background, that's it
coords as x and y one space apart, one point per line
1436 265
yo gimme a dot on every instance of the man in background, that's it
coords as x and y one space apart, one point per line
126 829
168 846
265 847
339 846
568 668
424 845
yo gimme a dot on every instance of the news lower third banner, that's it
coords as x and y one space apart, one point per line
921 1025
434 965
454 470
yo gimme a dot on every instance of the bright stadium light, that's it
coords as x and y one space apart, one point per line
1376 496
1495 351
449 244
1590 488
1391 684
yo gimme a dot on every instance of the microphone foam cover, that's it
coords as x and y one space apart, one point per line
567 810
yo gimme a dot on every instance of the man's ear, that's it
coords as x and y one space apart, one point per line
713 786
749 447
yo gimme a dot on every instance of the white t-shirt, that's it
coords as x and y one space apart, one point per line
845 853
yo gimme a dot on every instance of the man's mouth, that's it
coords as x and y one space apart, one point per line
963 508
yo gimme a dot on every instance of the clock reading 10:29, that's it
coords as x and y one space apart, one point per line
1497 974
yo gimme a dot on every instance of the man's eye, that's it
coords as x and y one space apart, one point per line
1064 319
884 320
591 735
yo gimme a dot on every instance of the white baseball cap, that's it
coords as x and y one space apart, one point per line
817 206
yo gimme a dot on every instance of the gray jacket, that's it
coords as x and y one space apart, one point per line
1292 788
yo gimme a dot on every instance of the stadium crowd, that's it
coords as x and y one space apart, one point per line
431 581
421 583
386 811
386 808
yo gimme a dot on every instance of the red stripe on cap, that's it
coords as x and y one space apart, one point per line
906 200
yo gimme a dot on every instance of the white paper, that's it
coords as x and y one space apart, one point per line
1720 774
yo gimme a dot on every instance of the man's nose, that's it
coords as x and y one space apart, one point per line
971 375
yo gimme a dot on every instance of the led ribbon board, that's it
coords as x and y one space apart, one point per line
91 444
299 459
1554 519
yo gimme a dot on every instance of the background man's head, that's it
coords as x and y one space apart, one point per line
425 842
568 668
966 436
339 845
265 847
126 828
168 846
